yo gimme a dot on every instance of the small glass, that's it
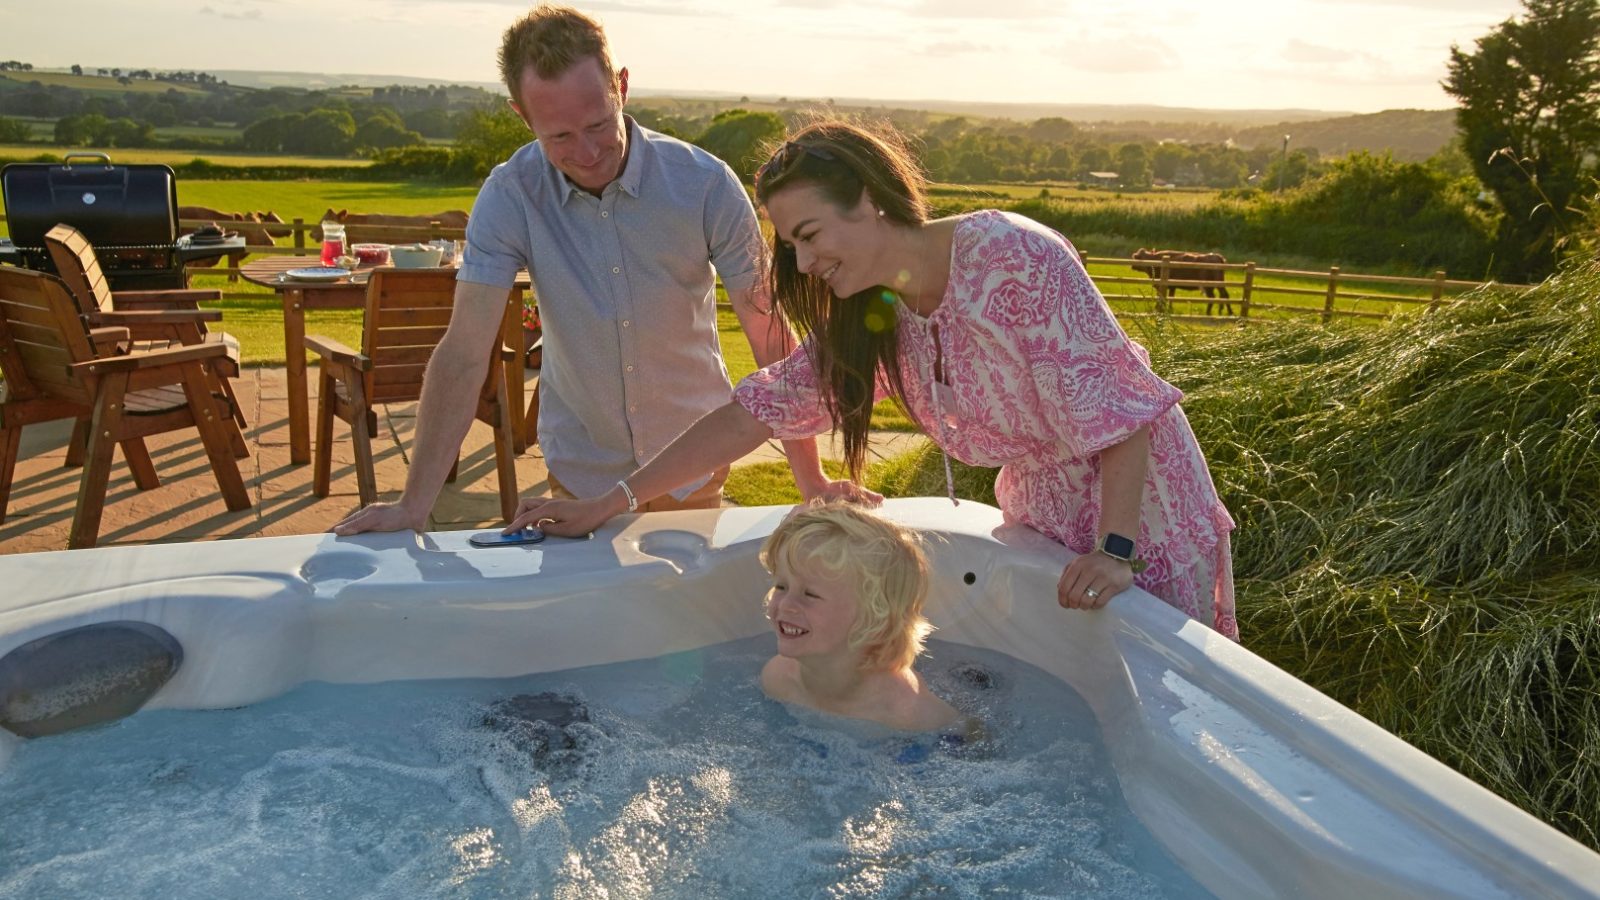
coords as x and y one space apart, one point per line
333 243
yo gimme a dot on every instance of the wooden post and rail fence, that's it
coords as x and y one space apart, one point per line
1253 289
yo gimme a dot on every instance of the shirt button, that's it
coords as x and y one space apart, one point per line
633 409
625 323
630 368
605 214
616 270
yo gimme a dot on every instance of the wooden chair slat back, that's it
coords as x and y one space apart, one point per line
44 334
79 267
406 316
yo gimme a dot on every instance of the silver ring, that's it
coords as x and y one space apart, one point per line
540 523
1091 593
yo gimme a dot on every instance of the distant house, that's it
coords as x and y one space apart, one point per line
1105 179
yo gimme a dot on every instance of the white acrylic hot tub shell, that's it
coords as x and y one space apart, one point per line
1257 784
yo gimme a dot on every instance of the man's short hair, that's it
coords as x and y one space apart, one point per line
552 39
884 559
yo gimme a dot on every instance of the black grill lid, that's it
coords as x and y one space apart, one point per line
114 206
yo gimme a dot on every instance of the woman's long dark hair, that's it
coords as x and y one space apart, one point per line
853 337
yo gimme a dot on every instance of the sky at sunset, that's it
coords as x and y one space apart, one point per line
1348 55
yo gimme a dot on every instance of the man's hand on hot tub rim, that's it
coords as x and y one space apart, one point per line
381 517
568 518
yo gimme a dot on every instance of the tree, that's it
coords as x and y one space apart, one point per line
740 138
13 131
1133 164
488 138
325 132
1287 172
1168 159
382 133
1532 88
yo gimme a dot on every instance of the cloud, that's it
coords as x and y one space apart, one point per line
991 9
1493 7
648 9
248 15
1120 53
1299 51
955 48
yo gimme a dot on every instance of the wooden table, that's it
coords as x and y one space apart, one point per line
299 296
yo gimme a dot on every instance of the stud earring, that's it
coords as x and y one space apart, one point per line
880 213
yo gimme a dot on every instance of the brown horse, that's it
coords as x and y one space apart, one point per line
362 228
254 226
1177 271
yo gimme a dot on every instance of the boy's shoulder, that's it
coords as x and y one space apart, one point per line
780 680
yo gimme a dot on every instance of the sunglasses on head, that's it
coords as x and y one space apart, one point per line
788 156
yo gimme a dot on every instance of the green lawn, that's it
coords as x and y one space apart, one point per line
309 199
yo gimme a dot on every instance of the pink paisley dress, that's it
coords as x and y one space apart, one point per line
1038 379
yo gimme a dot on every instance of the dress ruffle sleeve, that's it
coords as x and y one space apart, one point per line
785 397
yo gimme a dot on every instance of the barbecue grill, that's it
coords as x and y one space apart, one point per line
129 213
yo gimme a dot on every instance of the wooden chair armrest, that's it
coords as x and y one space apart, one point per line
108 338
183 296
334 351
136 318
152 359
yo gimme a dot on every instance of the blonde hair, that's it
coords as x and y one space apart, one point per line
885 561
552 39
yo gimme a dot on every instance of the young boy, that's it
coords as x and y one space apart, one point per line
846 604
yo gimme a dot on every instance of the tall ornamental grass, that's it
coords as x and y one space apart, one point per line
1419 522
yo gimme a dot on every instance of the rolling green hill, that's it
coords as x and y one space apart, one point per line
1411 134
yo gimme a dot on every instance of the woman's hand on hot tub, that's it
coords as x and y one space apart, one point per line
1091 580
566 518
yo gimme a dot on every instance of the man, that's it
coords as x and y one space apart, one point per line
620 228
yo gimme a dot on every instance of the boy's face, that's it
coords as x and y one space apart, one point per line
811 611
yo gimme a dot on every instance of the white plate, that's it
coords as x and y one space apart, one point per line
321 273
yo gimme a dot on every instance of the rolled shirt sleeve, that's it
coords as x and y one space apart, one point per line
497 234
732 234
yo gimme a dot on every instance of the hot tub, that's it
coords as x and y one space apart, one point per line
1256 784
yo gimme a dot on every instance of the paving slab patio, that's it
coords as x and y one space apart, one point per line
187 506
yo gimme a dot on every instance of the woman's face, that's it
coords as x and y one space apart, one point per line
840 246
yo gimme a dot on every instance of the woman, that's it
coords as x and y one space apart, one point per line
989 332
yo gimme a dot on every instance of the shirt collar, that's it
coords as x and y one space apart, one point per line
632 170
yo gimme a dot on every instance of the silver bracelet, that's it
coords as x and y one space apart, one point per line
633 502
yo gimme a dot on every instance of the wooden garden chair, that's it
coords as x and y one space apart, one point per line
55 367
406 315
154 319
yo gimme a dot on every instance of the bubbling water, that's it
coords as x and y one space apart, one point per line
683 781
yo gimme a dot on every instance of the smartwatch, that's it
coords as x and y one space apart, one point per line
1120 548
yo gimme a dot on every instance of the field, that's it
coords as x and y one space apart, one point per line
1071 193
307 200
29 152
95 83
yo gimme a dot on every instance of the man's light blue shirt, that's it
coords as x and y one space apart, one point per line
626 289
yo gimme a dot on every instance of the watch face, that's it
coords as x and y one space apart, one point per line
1118 546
